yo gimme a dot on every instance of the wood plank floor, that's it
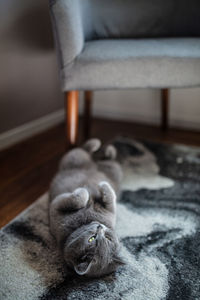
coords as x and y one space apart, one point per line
27 168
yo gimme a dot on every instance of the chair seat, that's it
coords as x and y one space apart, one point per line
135 63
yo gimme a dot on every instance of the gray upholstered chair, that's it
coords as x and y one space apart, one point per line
125 44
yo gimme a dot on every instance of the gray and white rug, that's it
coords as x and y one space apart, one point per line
158 224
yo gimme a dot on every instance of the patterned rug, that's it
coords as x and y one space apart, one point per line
158 224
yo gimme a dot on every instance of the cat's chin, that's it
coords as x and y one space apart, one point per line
99 226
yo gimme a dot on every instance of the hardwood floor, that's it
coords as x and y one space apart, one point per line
27 168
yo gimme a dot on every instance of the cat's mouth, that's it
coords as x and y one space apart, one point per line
100 228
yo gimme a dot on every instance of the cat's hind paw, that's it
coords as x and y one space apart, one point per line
92 145
110 152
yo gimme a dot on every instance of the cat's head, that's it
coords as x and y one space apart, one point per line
93 250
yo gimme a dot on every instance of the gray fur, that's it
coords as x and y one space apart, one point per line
82 209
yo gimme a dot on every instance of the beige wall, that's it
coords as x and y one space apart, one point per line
143 105
29 85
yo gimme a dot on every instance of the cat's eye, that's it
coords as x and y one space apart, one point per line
92 238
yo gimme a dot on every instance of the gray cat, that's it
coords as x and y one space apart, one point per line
82 209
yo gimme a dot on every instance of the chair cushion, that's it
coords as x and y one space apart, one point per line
136 63
140 18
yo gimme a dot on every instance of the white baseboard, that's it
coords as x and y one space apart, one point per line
127 116
140 118
188 125
27 130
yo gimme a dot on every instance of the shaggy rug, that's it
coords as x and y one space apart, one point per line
158 224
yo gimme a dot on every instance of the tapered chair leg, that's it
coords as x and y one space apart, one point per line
164 109
71 107
87 113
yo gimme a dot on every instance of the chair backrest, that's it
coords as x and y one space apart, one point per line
141 18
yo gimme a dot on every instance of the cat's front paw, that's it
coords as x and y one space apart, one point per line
107 192
82 195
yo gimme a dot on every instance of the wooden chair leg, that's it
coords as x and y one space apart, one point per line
164 109
71 107
87 113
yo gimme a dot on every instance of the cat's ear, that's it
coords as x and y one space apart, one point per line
83 267
118 260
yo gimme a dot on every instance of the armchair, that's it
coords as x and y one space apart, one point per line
125 44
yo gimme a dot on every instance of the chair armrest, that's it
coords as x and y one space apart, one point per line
68 29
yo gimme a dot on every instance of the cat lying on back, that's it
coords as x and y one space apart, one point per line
82 209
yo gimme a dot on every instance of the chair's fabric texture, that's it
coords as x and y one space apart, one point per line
141 18
123 64
105 44
68 29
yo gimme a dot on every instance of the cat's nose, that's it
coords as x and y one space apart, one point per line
102 226
101 229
